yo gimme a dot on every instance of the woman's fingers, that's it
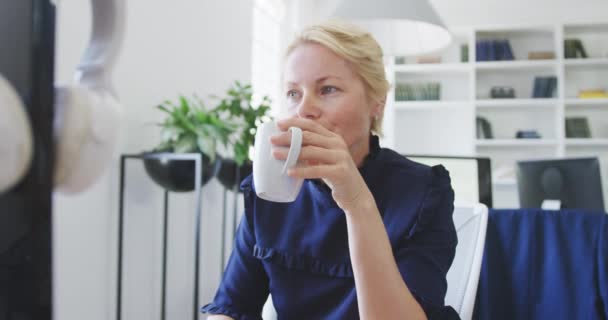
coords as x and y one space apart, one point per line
311 154
311 172
305 125
324 154
308 139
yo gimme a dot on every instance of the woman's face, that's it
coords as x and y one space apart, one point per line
321 86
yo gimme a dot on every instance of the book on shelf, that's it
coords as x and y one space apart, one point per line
464 53
552 87
490 49
541 55
484 128
430 91
527 134
573 48
593 94
506 53
577 127
480 54
494 50
544 87
428 59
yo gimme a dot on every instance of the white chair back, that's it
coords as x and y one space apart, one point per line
471 222
269 313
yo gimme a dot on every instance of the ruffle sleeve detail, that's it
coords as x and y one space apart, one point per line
439 193
303 263
222 310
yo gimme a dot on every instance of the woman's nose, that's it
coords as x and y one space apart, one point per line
309 108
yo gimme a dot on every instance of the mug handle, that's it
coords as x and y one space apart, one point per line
294 149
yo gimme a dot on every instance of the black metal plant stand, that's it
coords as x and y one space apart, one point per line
235 192
197 158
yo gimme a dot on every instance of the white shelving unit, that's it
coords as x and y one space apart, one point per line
516 65
573 142
589 62
515 103
448 126
429 105
434 68
408 127
586 102
516 143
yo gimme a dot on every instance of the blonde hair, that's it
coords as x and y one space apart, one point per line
360 49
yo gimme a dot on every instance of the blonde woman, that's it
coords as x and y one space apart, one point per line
370 235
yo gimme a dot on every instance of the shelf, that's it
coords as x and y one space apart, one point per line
434 68
516 103
570 29
570 142
469 85
587 102
515 65
515 143
430 105
590 62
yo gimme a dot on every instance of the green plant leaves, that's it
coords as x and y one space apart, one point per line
190 127
239 104
185 144
171 133
206 146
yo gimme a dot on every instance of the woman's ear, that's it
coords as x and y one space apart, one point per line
378 109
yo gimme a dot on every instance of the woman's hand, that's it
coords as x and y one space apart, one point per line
324 155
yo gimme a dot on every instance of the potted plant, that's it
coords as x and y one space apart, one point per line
240 106
188 128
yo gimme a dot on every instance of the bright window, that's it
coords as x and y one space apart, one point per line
267 52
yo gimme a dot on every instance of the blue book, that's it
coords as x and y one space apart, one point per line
536 88
540 89
497 45
551 86
507 51
479 54
484 51
491 49
546 88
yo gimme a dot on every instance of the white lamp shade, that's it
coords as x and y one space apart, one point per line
402 27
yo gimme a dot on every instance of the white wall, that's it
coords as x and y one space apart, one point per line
499 12
171 47
465 13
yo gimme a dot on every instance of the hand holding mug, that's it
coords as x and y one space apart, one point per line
324 155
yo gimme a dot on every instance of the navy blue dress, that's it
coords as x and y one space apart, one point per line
298 251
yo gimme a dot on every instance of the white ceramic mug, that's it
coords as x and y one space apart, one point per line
269 174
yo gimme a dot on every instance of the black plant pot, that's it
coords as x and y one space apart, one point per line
230 174
178 175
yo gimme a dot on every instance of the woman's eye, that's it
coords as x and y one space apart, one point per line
292 94
328 89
